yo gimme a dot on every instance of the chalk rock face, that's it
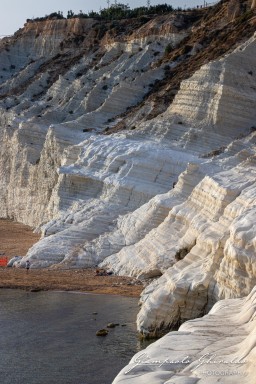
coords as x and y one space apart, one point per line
35 44
202 228
220 347
110 178
62 92
204 247
219 95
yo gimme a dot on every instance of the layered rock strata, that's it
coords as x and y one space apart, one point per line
38 96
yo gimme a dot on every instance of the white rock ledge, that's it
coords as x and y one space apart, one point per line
218 348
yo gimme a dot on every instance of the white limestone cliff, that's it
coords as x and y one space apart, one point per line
197 246
91 97
111 199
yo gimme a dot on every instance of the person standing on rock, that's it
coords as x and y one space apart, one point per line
27 265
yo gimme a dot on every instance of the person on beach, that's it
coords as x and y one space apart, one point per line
27 265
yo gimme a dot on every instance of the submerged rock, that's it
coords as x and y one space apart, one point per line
35 289
102 332
111 325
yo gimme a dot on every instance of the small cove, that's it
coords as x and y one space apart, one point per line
49 337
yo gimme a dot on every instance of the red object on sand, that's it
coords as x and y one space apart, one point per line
3 261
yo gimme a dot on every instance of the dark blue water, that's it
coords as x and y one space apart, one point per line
49 337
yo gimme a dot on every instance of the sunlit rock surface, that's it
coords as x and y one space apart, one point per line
212 250
218 348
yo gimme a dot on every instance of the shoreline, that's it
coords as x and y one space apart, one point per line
68 280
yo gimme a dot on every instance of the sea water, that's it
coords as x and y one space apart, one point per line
50 337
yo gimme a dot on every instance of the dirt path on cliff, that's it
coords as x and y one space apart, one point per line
16 239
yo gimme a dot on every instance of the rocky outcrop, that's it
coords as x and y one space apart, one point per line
203 227
220 347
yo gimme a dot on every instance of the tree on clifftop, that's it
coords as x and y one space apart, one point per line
115 11
70 14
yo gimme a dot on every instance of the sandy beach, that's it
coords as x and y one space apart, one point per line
16 239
